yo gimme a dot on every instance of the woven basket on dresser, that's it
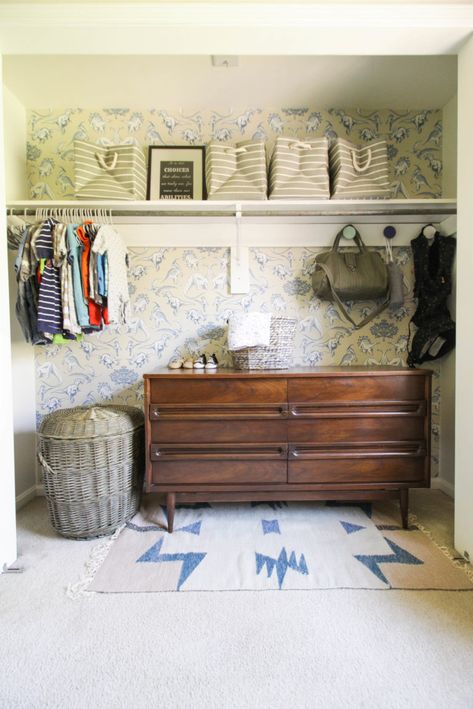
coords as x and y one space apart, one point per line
279 353
92 460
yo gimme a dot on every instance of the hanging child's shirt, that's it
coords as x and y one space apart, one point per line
49 300
74 246
108 242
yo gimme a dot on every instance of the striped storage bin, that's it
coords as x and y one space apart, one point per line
359 172
236 172
299 169
115 172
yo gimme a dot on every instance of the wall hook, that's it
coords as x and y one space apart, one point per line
429 231
389 232
349 231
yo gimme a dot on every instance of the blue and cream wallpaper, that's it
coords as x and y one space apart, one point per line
414 138
180 306
180 296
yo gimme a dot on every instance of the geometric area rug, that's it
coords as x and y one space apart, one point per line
276 546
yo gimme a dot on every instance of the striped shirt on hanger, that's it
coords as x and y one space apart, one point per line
49 302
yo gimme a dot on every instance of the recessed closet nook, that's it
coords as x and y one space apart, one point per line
193 264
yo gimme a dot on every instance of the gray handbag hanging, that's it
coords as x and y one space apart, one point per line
351 276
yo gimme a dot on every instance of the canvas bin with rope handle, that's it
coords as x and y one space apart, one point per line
299 169
351 275
92 461
359 172
236 172
112 172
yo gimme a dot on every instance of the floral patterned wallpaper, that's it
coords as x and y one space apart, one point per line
180 296
414 138
180 305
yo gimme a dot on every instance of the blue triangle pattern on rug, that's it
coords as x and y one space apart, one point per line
400 556
193 528
190 561
349 527
270 526
281 564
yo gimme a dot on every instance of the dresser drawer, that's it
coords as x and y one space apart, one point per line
218 391
357 388
361 464
341 430
376 470
223 431
225 472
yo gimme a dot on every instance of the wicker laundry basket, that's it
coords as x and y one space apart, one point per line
278 355
92 460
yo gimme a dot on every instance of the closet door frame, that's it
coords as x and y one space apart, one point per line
8 547
464 310
240 29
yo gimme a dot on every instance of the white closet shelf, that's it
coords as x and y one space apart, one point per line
401 210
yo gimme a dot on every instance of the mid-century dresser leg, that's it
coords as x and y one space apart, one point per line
170 507
404 504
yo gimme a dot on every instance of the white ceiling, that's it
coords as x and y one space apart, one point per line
191 81
267 2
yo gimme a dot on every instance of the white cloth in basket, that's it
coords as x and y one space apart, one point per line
248 330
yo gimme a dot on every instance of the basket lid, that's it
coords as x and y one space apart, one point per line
91 421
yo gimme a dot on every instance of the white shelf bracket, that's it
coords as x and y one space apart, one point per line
239 259
449 225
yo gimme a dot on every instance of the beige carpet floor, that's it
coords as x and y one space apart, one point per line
314 649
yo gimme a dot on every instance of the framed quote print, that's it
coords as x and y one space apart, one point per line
176 172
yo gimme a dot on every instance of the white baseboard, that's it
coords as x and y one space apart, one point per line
26 496
444 485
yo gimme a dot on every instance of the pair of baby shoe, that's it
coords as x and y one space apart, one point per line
200 362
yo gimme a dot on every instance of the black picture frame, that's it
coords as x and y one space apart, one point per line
176 172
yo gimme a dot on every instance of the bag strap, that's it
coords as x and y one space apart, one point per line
357 165
103 164
379 308
357 239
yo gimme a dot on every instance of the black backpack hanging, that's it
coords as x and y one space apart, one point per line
435 334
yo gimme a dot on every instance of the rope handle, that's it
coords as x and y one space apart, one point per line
43 463
357 165
236 151
299 145
103 164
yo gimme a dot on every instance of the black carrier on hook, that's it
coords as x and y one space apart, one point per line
433 262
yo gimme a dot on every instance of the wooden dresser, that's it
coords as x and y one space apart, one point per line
331 433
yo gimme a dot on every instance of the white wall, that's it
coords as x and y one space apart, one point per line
446 480
464 350
7 485
22 353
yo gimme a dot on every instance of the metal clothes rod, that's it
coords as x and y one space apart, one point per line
437 208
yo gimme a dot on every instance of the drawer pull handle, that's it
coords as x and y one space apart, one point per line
236 452
321 452
359 409
218 412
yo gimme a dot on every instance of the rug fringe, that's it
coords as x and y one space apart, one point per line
446 551
97 556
